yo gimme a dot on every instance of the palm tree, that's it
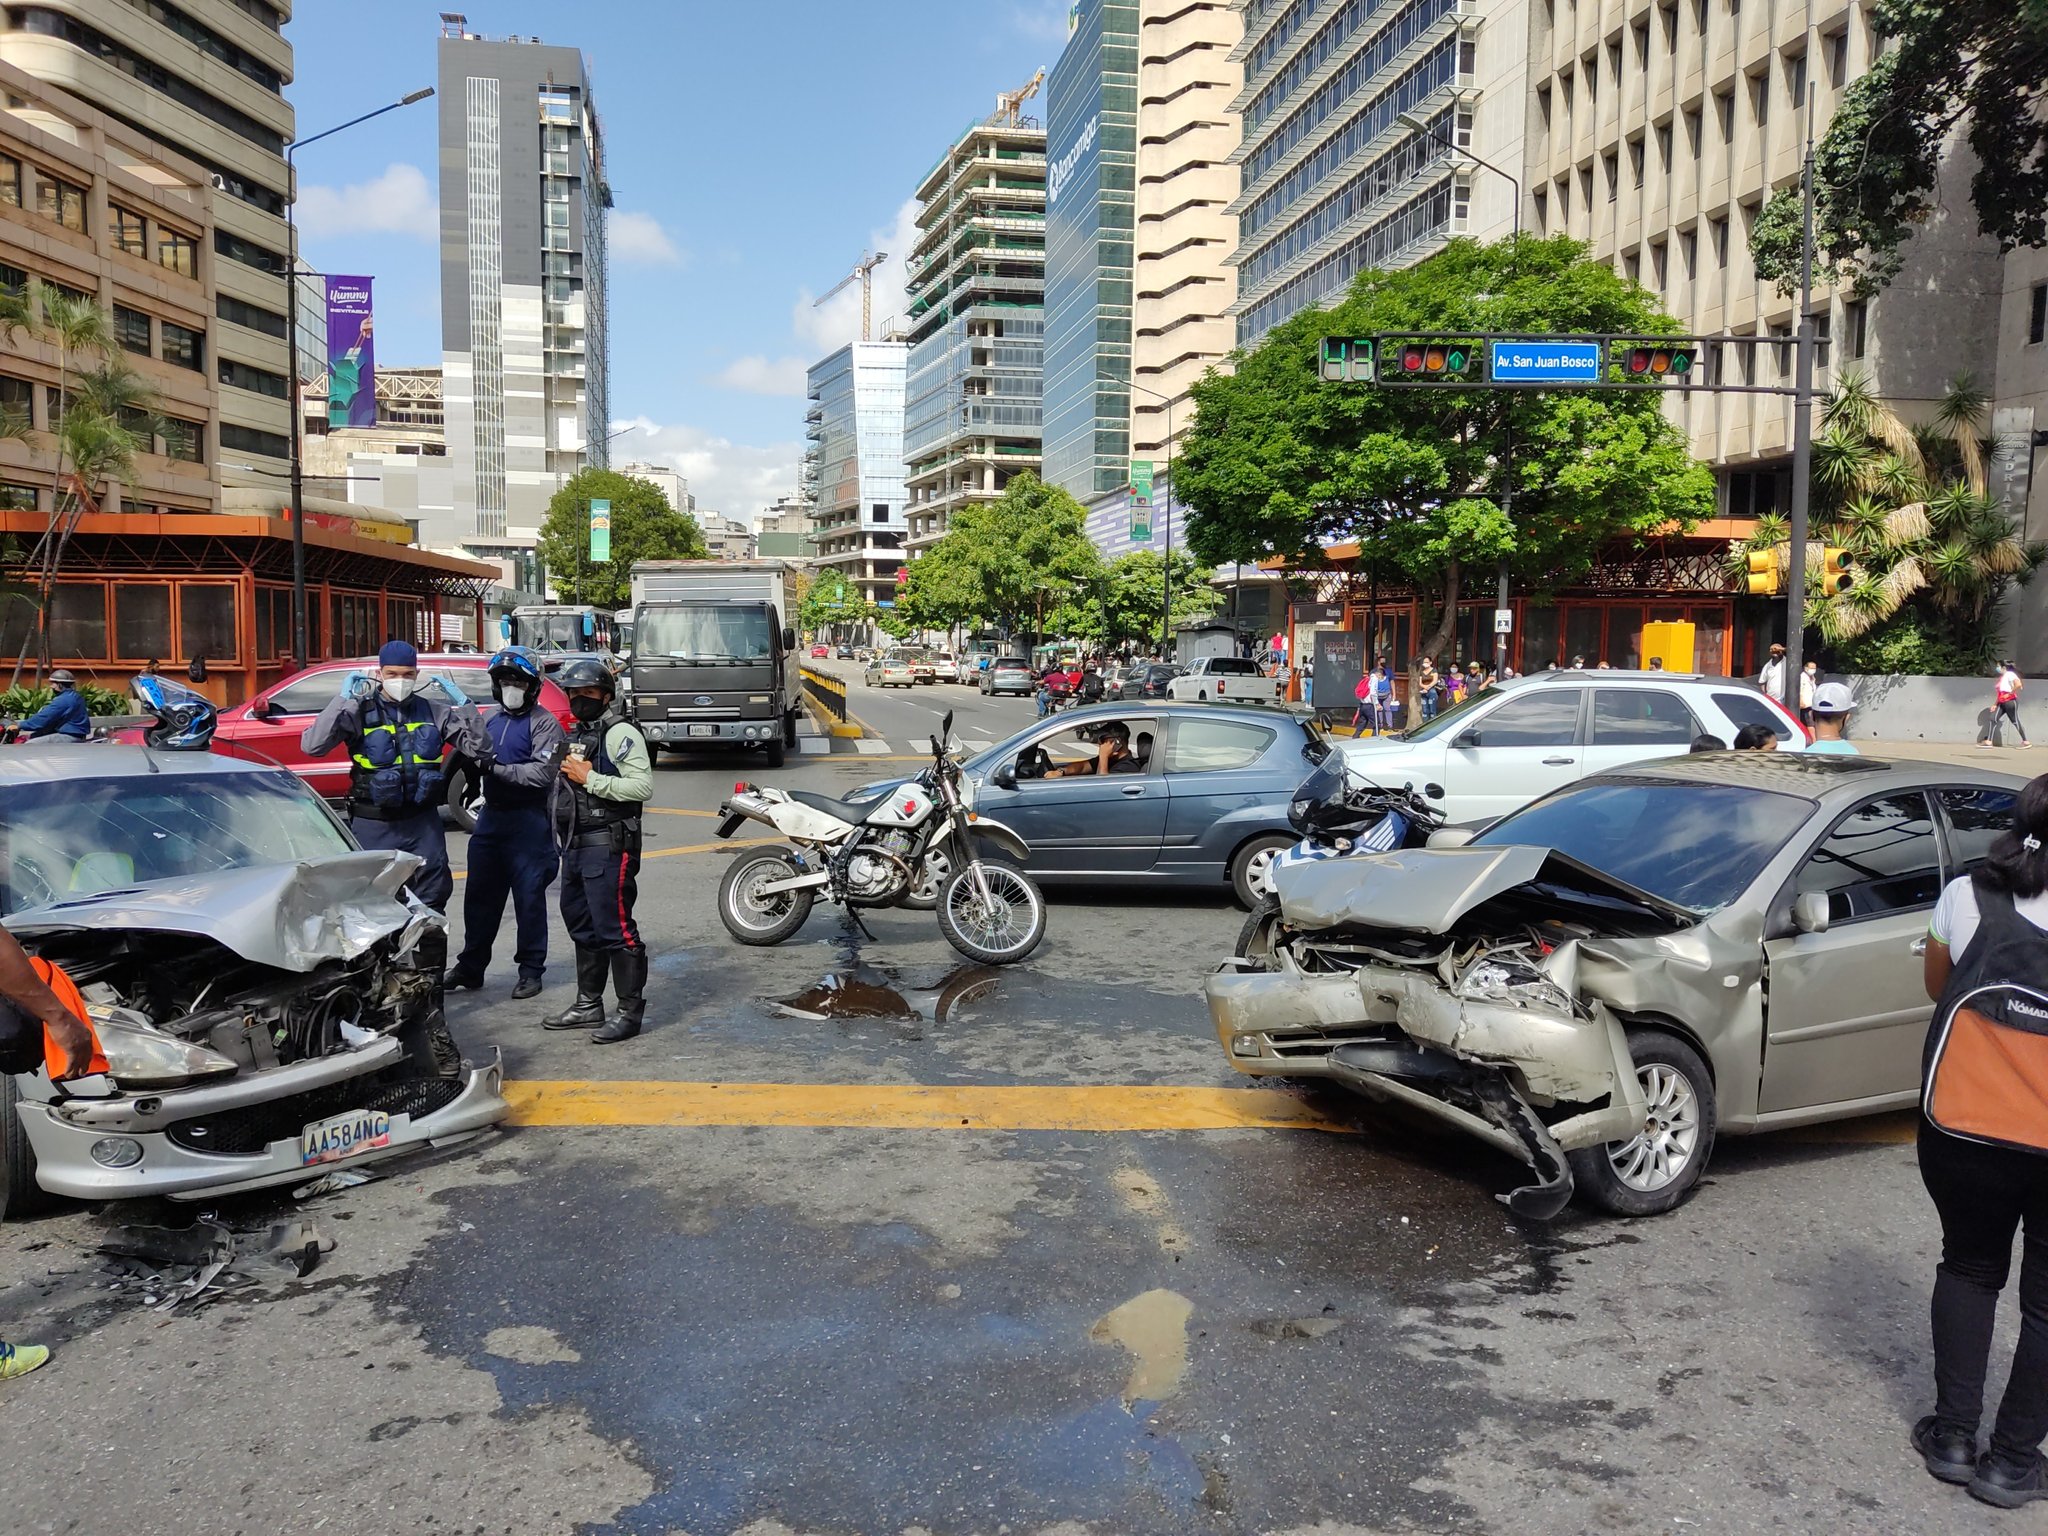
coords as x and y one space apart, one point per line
1912 507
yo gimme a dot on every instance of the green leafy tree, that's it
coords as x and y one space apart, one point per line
1280 463
1931 550
1123 606
644 527
832 599
1944 62
1006 561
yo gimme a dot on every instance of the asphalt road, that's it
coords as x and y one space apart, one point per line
853 1242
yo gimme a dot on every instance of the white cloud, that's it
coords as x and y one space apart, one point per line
639 239
399 202
757 375
738 479
830 326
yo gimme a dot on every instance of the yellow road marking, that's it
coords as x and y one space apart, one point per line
909 1107
666 853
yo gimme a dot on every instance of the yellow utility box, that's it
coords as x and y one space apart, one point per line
1671 643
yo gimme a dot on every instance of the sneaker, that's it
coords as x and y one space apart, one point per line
1950 1454
1999 1482
20 1359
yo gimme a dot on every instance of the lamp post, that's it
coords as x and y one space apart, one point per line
1166 570
1416 125
301 650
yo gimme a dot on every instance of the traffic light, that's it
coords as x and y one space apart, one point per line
1654 362
1347 360
1429 359
1763 573
1834 571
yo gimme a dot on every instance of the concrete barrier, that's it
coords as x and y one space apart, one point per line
1952 709
825 696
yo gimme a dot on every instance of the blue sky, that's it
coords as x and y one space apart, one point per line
757 148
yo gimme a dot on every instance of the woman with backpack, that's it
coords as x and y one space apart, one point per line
1984 1157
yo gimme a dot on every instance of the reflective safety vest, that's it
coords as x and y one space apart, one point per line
396 767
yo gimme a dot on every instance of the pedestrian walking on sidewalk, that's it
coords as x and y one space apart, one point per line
1772 678
1983 1148
2005 705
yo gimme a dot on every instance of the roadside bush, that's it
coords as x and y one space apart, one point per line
1907 645
20 702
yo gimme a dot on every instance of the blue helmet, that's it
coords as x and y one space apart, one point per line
184 720
516 667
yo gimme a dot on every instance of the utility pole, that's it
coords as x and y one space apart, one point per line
1802 429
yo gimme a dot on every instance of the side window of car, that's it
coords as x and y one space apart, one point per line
309 695
1975 818
1641 717
1214 746
1882 857
1546 719
1750 709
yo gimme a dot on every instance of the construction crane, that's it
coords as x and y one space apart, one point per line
862 273
1008 103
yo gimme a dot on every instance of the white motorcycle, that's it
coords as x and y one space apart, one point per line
917 844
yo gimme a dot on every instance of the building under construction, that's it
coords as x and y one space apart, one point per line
976 326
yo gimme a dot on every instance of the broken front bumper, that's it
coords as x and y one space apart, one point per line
243 1133
1491 1069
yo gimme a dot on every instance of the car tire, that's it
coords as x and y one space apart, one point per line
744 919
20 1194
789 729
462 797
1636 1177
778 754
1202 697
1255 938
1249 881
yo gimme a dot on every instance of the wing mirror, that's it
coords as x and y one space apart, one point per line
1004 777
1434 791
788 639
1467 739
1810 912
261 709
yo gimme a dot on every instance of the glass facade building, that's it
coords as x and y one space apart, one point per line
1091 180
1333 184
854 460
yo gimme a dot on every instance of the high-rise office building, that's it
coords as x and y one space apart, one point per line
205 79
854 423
1332 183
976 324
523 318
1091 115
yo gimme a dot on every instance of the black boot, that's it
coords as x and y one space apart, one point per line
629 982
588 1009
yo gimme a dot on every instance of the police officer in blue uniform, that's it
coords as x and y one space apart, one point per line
605 780
512 852
394 736
65 715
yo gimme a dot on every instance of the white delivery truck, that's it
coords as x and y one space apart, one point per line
1232 679
714 655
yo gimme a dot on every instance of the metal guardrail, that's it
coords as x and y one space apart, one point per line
826 693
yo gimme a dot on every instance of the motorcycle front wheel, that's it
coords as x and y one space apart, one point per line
1000 928
754 918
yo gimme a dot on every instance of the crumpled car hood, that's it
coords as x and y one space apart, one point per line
291 916
1426 890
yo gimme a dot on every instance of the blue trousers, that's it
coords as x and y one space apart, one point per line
600 884
421 833
511 853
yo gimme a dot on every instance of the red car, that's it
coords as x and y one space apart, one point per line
268 727
820 652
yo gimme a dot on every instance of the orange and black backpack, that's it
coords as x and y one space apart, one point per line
1985 1073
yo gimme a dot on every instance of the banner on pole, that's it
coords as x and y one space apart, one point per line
351 354
600 530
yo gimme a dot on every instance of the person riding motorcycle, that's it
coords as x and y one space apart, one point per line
67 713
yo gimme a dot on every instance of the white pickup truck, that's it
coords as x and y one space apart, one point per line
1233 679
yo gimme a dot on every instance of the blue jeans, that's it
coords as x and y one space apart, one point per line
1428 704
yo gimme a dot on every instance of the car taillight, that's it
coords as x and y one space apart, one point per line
1219 687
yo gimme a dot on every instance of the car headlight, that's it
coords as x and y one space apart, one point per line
141 1057
1512 980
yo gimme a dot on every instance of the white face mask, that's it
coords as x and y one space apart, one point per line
399 689
515 698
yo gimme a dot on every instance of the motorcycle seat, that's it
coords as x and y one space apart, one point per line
854 811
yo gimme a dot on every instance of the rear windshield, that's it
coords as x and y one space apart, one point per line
1650 833
1010 664
1232 664
716 634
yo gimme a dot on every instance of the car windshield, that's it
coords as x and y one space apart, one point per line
86 835
1650 833
549 631
710 633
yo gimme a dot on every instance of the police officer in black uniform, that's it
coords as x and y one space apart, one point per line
605 780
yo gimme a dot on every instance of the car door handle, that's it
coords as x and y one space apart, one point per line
1559 762
1919 946
1132 791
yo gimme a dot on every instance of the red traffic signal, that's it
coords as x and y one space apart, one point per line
1660 362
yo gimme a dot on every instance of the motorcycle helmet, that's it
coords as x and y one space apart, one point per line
587 672
515 668
184 720
62 678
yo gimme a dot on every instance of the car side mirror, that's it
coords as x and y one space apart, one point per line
789 639
262 709
1467 739
1004 777
1810 912
1434 791
1451 837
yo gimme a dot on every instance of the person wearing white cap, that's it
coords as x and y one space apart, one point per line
1831 707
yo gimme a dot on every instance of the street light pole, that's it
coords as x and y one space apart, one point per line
301 649
1415 124
1802 431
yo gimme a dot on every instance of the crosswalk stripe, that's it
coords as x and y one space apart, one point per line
813 744
870 748
977 745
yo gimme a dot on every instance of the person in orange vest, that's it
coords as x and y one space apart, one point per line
69 1040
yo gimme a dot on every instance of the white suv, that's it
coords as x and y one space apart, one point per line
1521 739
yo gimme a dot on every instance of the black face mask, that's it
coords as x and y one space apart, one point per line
586 709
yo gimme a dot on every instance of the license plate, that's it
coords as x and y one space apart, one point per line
703 730
329 1141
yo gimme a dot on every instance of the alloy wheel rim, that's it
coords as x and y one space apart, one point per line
1258 871
1659 1154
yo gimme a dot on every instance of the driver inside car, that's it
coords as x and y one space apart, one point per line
1112 754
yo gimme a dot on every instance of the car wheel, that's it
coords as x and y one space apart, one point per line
1251 870
462 797
1655 1170
20 1194
789 729
1261 931
777 753
1202 697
